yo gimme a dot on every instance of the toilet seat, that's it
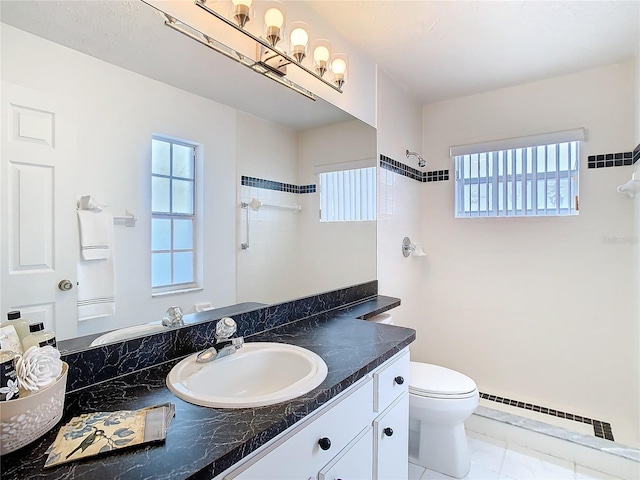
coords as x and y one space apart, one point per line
439 382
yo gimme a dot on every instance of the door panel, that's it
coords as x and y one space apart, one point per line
37 192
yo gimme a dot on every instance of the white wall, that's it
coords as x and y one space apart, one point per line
537 309
118 112
399 204
334 254
268 151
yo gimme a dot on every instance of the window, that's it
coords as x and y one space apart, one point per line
537 180
173 216
348 195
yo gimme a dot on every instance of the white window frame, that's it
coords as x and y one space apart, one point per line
510 172
194 217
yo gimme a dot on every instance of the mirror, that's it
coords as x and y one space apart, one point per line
110 76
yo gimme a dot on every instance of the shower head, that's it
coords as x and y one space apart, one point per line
421 161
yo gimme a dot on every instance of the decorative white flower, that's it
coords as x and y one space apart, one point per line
11 389
38 367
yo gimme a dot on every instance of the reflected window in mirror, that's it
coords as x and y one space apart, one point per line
173 217
348 195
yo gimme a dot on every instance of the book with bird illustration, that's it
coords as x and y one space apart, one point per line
93 434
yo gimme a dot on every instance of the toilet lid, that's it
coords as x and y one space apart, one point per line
432 379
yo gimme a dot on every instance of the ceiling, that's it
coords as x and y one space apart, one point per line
439 50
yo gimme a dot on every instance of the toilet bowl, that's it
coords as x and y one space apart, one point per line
440 400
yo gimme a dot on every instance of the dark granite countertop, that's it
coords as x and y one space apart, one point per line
202 442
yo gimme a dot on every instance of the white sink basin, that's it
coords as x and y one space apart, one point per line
258 374
128 332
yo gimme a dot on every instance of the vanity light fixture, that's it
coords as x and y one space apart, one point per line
271 57
409 248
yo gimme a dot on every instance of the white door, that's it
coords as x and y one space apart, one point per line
39 233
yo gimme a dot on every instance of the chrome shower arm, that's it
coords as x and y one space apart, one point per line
421 161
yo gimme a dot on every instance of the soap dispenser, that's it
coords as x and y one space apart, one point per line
20 324
39 337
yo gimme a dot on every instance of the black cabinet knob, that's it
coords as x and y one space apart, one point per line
388 431
399 380
325 443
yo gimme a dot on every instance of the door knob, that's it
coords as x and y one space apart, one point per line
399 380
388 431
65 285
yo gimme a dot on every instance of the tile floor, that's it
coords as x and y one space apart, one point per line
496 460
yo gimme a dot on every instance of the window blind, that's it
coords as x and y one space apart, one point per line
348 195
530 181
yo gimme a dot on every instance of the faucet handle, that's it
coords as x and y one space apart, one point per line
173 317
225 328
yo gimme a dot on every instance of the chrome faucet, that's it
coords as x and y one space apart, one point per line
225 345
173 318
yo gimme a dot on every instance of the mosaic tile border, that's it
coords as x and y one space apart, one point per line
601 429
278 186
405 170
619 159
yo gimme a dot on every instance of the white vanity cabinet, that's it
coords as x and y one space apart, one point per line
361 434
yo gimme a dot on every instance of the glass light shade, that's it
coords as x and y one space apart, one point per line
321 55
242 11
274 18
339 66
274 22
299 37
299 40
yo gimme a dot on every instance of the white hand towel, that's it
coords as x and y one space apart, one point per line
96 289
95 230
97 284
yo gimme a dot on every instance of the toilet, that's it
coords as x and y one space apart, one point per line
440 400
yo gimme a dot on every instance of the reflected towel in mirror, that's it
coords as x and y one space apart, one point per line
95 230
96 274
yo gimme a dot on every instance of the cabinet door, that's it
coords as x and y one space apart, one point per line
355 462
298 455
391 380
391 438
